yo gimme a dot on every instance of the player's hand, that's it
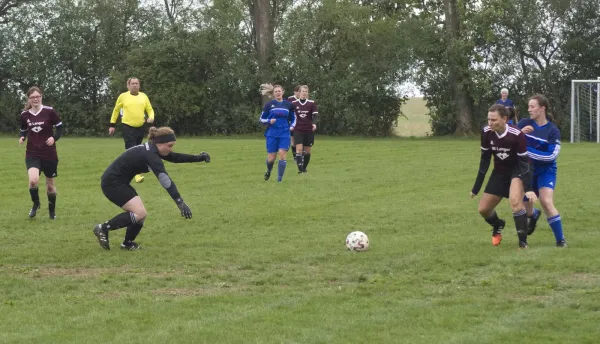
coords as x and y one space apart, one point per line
531 196
204 157
291 128
185 210
527 129
50 141
21 140
111 131
471 194
272 121
314 127
150 120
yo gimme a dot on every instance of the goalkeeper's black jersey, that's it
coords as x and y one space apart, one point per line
142 159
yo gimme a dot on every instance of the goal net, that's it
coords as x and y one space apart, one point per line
585 110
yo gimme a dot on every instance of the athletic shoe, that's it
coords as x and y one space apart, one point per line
34 210
532 223
130 246
267 175
102 235
497 233
139 178
523 244
52 214
561 243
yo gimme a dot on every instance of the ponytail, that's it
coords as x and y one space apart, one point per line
267 90
152 133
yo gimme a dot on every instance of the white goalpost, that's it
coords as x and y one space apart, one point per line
585 110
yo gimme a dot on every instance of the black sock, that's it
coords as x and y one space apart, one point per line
51 201
299 161
294 150
521 224
35 196
306 160
122 220
132 232
493 220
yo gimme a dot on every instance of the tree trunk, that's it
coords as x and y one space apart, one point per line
458 66
264 33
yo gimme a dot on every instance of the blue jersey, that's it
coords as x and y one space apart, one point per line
543 145
506 103
285 118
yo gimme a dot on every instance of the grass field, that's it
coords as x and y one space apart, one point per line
262 262
415 122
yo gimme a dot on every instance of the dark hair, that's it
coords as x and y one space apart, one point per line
297 88
29 92
512 114
500 109
543 102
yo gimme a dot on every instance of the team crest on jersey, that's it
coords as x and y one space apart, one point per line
502 155
36 129
491 142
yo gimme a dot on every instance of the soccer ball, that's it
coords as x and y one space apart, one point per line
357 241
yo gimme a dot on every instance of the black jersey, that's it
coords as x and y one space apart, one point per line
145 158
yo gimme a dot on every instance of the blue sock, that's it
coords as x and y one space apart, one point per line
281 169
556 225
536 213
270 166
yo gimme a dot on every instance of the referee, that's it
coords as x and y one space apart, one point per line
133 105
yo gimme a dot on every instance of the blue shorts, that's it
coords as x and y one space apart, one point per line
546 179
274 143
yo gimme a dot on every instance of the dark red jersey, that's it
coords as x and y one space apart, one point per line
39 127
505 147
306 115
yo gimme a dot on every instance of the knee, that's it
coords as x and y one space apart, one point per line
516 202
282 155
140 215
483 210
33 182
50 189
547 203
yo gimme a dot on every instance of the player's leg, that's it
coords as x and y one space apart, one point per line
299 148
50 169
517 206
283 144
292 143
497 188
533 214
34 166
126 198
547 182
271 143
135 206
308 143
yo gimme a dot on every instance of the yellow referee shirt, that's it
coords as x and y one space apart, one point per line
133 108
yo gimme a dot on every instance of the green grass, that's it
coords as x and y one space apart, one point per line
262 262
415 122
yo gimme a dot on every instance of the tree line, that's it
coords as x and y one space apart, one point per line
201 62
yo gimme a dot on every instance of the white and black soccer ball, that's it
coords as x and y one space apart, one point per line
357 241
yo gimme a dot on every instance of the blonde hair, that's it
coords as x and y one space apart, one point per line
155 132
268 89
302 87
29 92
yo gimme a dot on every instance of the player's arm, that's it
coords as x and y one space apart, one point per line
115 113
484 165
292 117
315 113
525 170
552 151
59 128
148 109
157 167
24 129
178 158
264 116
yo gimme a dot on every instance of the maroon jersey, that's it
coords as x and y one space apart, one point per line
506 147
306 112
291 99
39 127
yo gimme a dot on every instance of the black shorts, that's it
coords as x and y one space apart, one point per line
119 194
49 167
499 183
133 136
305 139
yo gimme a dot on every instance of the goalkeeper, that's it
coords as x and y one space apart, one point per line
115 183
